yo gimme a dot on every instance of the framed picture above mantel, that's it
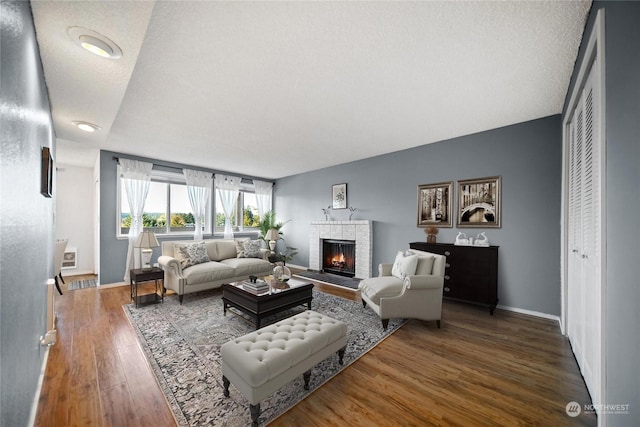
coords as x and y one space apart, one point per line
339 196
434 204
479 202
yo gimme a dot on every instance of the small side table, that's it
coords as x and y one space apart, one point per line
137 276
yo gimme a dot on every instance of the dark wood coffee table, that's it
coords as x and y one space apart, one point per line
278 298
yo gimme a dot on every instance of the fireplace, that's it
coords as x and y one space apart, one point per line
339 257
358 232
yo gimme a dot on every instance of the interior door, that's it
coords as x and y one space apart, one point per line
584 240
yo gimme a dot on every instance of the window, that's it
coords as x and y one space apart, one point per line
167 198
245 216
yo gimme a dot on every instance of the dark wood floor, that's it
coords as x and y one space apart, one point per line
507 369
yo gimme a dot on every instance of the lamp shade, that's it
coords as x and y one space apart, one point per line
272 234
147 240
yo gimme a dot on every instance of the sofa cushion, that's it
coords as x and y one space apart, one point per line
247 266
404 265
225 249
381 287
189 254
248 248
212 250
207 272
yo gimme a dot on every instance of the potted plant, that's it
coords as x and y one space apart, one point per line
431 232
268 222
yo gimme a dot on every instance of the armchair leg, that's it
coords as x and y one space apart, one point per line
57 285
385 323
438 323
62 278
364 303
180 297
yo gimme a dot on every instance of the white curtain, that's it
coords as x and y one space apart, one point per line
228 188
263 191
198 190
136 179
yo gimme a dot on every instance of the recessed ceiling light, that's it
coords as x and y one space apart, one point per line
86 126
94 42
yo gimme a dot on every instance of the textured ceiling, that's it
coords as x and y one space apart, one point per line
274 89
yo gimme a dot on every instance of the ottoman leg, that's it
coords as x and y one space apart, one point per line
307 377
255 413
225 383
341 354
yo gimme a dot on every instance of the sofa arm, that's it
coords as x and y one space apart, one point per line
170 263
264 254
385 269
424 282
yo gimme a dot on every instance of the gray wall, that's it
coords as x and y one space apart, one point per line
26 217
384 190
113 251
620 333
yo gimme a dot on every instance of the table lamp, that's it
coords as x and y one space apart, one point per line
145 242
272 236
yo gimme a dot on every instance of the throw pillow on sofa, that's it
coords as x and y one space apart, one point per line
249 248
189 254
404 265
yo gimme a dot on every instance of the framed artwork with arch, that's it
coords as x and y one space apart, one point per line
479 202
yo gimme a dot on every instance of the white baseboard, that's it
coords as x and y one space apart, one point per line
299 267
530 313
112 285
70 273
36 397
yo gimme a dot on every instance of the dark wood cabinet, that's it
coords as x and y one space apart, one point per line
471 272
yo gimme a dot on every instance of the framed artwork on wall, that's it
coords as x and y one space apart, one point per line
339 196
434 204
479 202
46 174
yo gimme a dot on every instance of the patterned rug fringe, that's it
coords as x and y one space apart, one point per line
182 342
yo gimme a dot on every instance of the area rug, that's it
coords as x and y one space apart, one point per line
182 344
82 284
332 279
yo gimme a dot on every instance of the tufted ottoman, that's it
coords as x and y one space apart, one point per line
261 362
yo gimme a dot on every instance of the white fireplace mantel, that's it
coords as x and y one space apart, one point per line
359 231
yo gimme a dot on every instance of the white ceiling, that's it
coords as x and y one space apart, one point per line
272 89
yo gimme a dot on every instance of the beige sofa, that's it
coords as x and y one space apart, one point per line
221 263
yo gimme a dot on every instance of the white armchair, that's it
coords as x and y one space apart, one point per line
410 288
61 246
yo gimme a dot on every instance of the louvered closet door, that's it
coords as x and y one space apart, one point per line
584 227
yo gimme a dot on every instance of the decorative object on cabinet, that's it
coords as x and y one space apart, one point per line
431 232
434 204
481 240
461 239
479 202
339 196
471 272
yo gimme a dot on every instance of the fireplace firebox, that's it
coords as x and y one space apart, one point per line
339 257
